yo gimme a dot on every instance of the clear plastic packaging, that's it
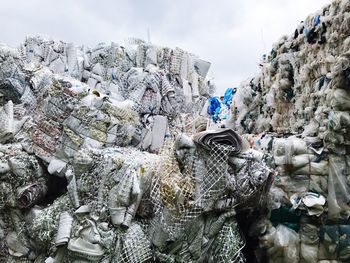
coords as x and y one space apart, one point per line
285 247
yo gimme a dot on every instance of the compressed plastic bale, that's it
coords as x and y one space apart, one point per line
185 67
329 242
319 184
296 161
344 240
338 189
242 97
295 146
24 166
291 184
320 168
309 243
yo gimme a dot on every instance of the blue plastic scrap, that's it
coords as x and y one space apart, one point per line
228 96
317 20
214 108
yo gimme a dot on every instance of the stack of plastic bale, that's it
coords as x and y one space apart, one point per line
74 185
297 109
166 85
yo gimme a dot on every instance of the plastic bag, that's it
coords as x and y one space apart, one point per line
286 246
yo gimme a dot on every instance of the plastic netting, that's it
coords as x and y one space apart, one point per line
229 244
215 179
181 196
134 247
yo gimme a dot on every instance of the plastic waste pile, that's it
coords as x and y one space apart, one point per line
297 110
104 157
166 86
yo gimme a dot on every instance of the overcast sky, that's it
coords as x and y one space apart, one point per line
231 34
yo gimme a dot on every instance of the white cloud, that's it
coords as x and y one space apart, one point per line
232 35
